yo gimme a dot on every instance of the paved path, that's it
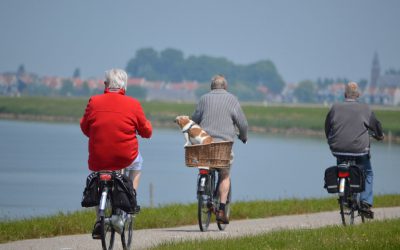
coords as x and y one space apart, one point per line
150 237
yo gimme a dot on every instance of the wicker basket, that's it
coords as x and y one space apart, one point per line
214 155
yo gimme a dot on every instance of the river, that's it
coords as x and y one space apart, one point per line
43 167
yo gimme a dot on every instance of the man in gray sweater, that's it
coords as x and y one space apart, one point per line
347 127
219 114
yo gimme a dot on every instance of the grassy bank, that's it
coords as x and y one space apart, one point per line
169 216
372 235
276 119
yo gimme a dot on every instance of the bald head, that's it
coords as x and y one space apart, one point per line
351 91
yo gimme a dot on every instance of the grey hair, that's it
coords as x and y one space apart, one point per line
116 79
351 91
219 82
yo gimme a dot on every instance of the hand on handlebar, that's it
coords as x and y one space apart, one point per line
375 136
244 140
379 138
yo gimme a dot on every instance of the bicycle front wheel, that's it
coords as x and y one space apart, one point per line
127 233
107 231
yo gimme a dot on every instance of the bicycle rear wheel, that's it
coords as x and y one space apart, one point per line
227 208
127 233
107 231
204 205
346 210
203 212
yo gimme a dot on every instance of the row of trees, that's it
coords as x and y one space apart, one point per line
171 65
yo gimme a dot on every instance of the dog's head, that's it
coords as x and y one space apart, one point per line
182 120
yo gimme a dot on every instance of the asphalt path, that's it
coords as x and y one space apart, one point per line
146 238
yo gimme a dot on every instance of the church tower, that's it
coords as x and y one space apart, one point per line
375 72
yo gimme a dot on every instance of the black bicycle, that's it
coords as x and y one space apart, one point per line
113 219
208 158
350 182
208 198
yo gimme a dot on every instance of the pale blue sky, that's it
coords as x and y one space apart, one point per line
305 39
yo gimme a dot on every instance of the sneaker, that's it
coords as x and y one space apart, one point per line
221 217
366 210
96 233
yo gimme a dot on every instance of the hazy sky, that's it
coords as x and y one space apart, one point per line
306 39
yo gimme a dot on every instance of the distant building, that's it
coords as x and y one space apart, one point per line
382 89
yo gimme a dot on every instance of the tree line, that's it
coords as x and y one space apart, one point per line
171 65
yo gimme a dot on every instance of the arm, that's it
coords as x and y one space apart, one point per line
240 121
84 123
144 127
328 123
198 113
375 127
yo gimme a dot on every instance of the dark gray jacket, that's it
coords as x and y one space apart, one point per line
218 113
346 128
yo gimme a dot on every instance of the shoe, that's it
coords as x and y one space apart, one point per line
96 233
366 210
221 217
136 210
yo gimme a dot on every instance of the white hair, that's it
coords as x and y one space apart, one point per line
351 91
219 82
116 79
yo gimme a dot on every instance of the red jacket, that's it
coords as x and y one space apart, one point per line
111 122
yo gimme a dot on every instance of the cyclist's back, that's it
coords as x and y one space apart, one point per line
111 121
347 126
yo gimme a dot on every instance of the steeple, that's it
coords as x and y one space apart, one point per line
375 72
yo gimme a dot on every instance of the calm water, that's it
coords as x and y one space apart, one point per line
43 168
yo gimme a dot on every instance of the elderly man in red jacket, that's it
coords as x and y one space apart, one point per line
111 121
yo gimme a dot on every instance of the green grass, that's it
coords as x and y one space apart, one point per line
372 235
169 216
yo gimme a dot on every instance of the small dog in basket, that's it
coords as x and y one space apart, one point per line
194 134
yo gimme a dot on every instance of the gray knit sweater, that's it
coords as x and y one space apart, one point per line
219 114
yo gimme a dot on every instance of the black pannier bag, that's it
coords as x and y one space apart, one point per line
331 180
357 179
91 196
123 194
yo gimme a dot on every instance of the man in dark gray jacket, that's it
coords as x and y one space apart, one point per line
219 114
348 126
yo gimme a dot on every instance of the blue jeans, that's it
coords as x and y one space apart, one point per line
364 163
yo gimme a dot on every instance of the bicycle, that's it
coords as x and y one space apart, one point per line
208 158
348 181
208 198
113 219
